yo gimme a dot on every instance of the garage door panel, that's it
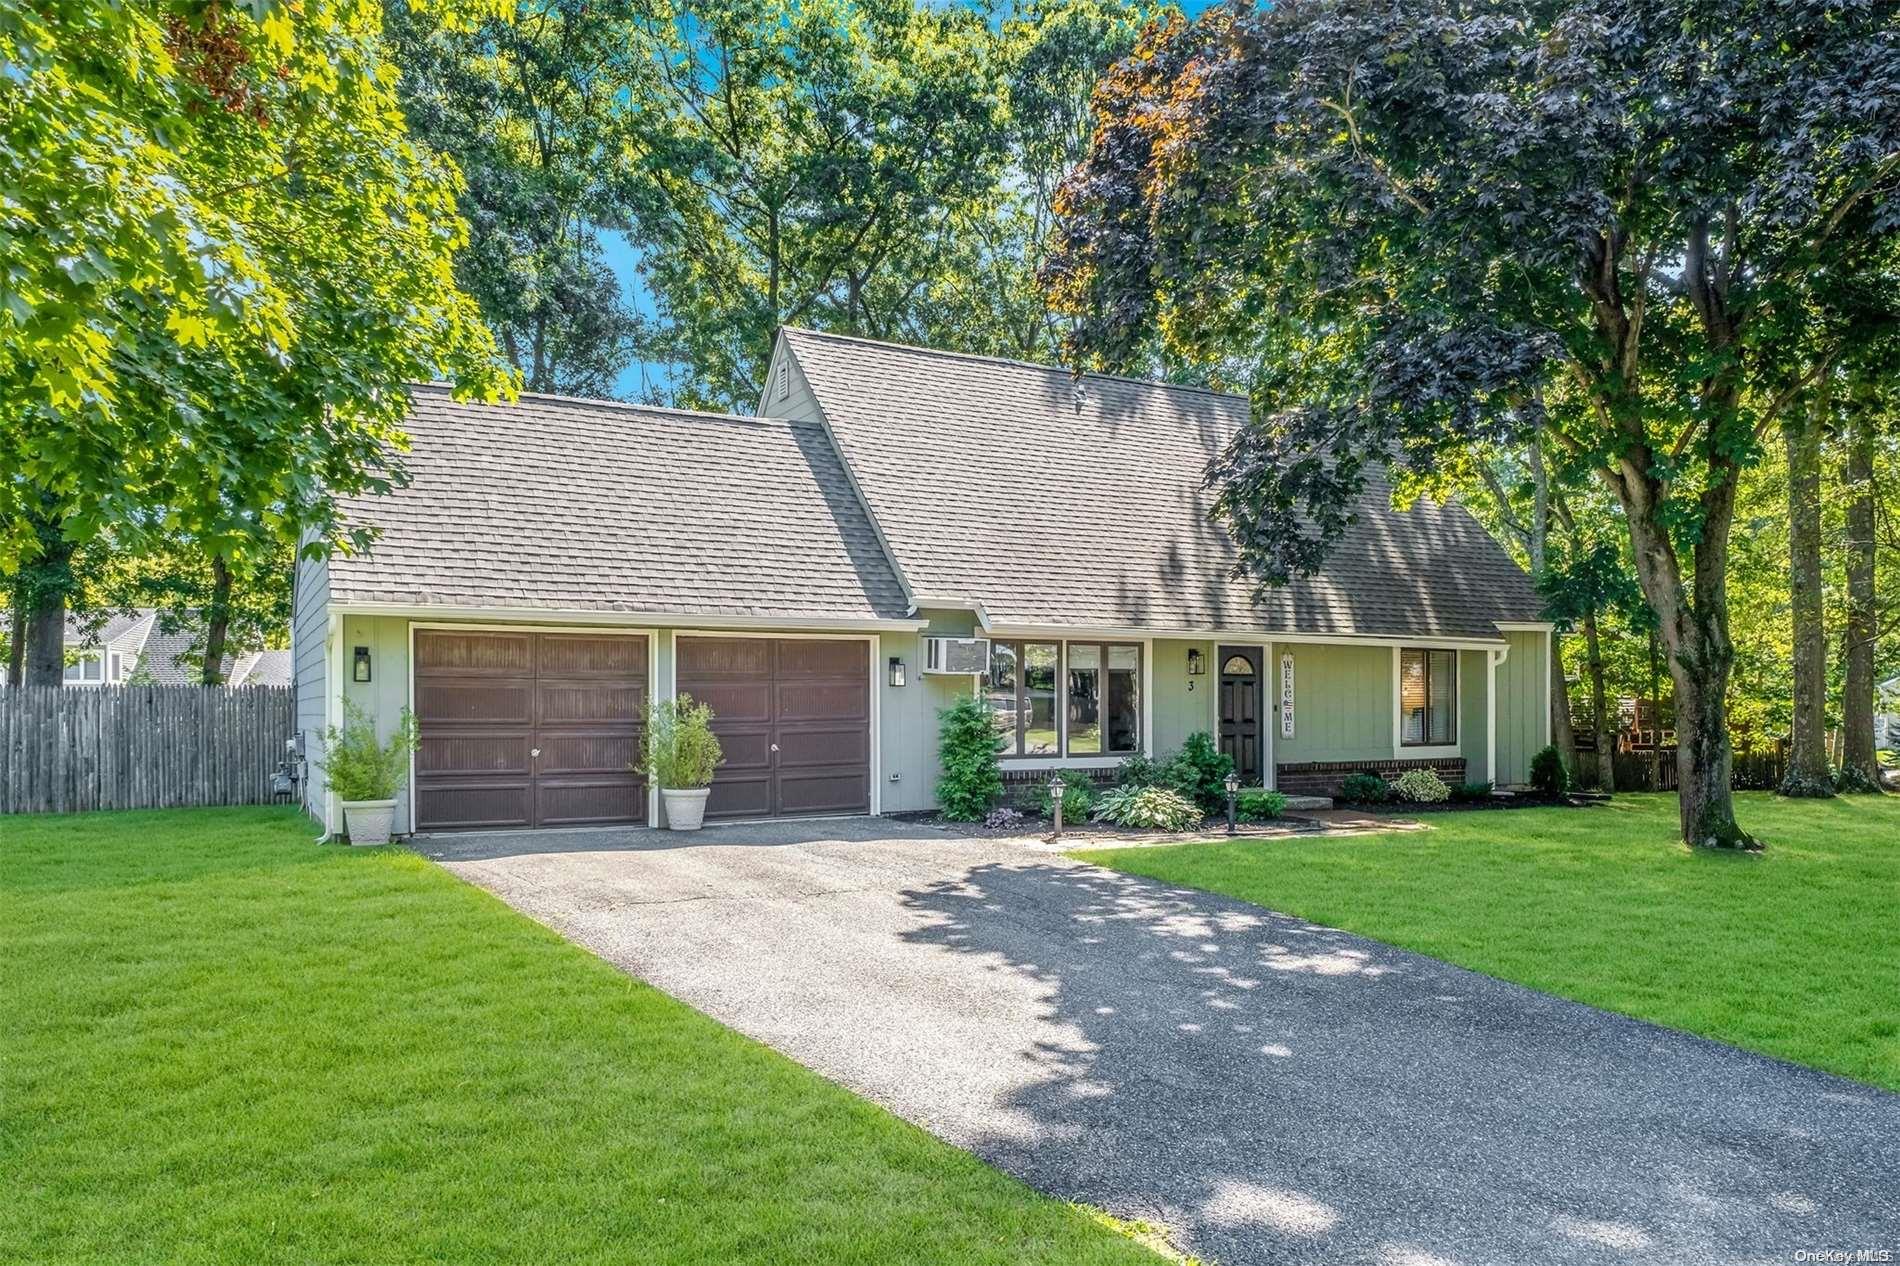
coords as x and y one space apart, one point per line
448 806
449 702
841 791
440 653
724 657
740 795
613 658
564 702
580 801
473 754
732 702
823 700
747 750
586 753
801 657
824 745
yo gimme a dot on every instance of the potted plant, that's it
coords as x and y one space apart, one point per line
679 751
366 773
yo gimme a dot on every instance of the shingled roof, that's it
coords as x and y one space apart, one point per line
997 482
559 504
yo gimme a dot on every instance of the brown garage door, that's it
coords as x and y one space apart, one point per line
528 729
794 718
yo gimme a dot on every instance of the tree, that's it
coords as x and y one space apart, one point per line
804 162
535 109
1808 773
225 260
1859 769
1428 226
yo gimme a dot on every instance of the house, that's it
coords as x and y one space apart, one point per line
130 647
895 527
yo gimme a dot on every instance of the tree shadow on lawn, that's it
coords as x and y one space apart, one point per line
1278 1091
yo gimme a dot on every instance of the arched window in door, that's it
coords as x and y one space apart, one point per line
1238 666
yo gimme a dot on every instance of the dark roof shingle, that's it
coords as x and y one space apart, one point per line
994 481
558 504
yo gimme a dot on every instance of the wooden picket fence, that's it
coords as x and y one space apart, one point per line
71 749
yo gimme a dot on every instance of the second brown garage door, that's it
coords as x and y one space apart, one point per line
794 718
528 729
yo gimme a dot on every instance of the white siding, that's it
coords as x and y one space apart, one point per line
309 631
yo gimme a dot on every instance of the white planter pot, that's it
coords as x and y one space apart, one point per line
685 810
368 821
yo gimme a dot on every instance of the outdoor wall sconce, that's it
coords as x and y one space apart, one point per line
359 664
1197 663
897 671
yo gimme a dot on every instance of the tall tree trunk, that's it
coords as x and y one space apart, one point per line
1599 705
1858 768
1807 758
1695 637
217 616
48 579
1562 733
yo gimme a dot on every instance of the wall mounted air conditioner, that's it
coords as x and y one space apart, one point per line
965 655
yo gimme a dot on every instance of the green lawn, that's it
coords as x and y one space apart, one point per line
221 1043
1795 953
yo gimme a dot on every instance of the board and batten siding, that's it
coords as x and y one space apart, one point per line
1342 703
386 693
310 664
1182 705
1473 718
1523 704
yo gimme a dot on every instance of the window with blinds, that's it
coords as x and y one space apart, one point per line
1428 698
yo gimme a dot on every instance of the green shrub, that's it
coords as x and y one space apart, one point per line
1078 796
1470 792
358 765
1422 786
678 749
1364 789
1548 775
1199 772
1853 780
1138 771
1259 806
1150 808
972 778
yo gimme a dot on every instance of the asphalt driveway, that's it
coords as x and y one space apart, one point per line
1269 1090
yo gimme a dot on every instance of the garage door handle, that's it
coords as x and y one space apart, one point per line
775 747
534 751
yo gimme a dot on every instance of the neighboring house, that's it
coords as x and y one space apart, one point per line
130 647
815 573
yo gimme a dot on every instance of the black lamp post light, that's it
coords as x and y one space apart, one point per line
1232 783
1055 802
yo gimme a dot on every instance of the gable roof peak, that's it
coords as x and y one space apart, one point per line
1014 362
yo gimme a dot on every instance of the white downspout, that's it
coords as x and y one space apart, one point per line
1492 660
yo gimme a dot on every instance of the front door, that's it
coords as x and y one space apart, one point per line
1240 686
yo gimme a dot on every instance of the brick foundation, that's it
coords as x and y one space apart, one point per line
1322 778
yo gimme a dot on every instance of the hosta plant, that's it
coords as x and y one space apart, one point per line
1149 808
1422 786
